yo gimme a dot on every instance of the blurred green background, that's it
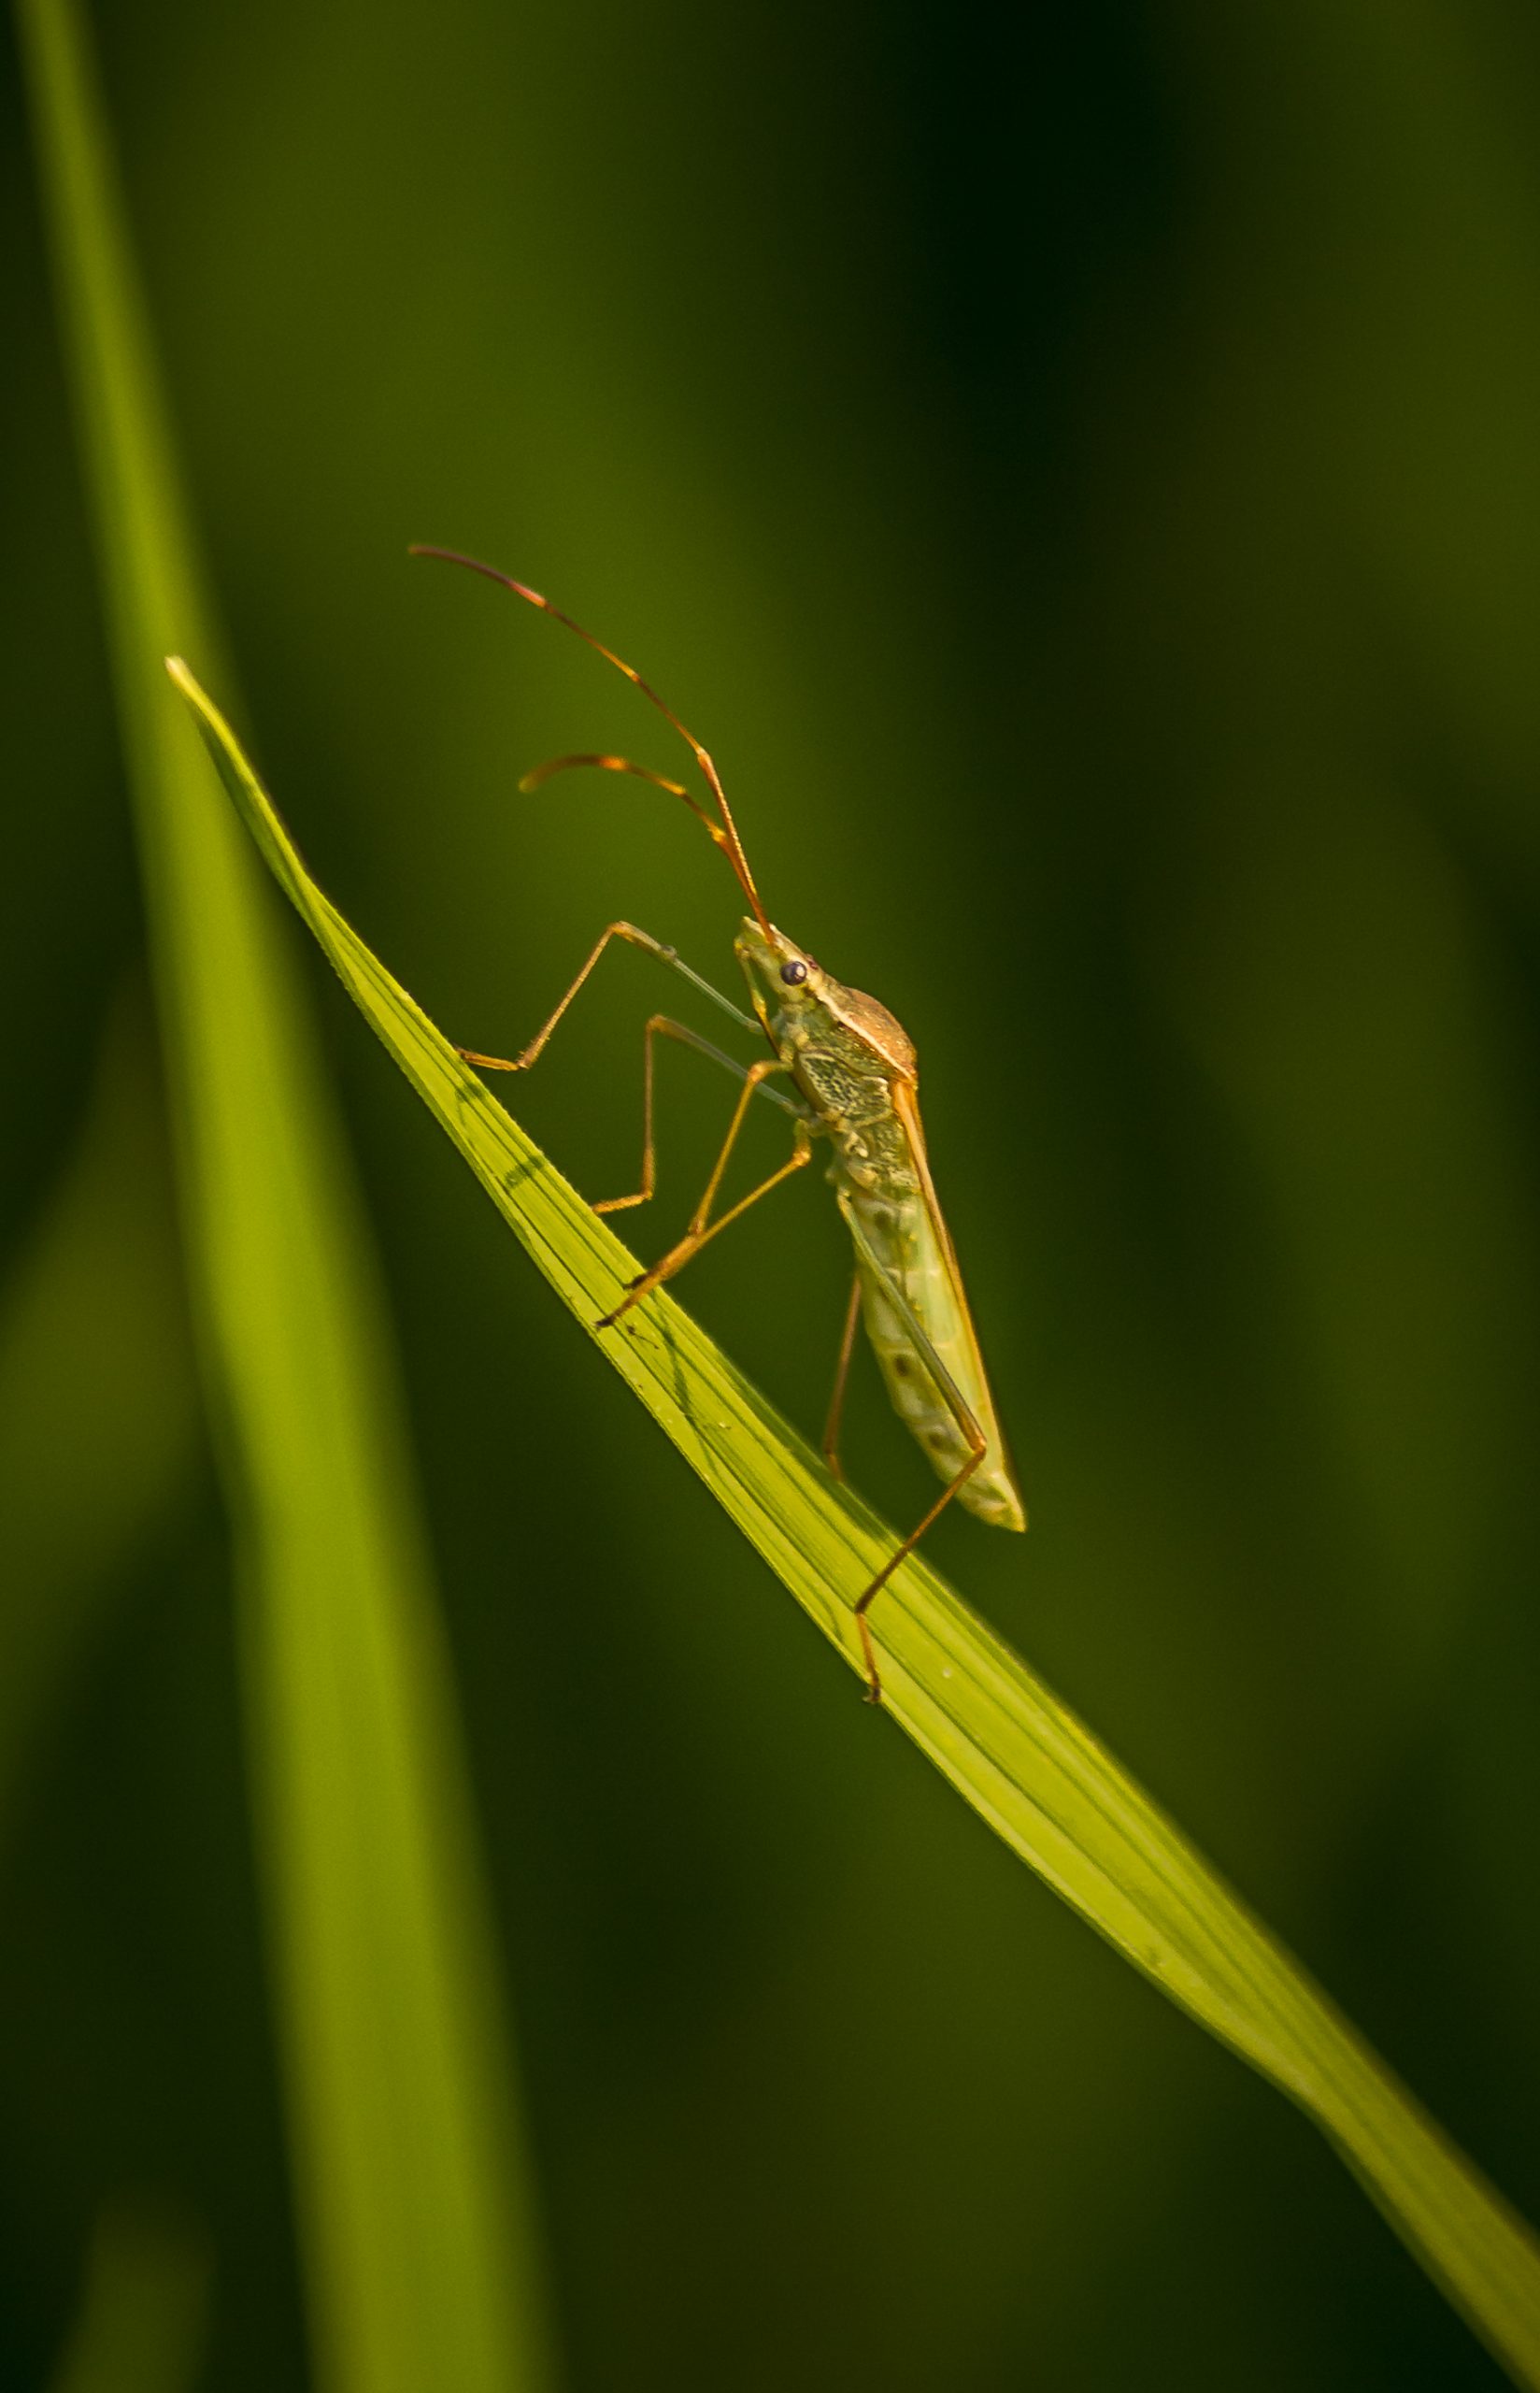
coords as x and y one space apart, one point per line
1078 472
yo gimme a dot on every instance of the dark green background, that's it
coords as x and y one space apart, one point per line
1079 470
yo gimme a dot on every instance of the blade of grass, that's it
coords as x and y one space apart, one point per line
1009 1747
416 2221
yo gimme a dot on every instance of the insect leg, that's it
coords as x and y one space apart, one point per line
951 1396
660 1025
702 1228
842 1370
628 931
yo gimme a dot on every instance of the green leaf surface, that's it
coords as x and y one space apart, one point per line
415 2220
1006 1742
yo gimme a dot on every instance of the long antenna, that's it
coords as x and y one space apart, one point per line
725 832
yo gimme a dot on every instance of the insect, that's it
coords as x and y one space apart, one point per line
853 1072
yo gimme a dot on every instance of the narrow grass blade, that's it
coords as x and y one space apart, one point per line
416 2225
1009 1747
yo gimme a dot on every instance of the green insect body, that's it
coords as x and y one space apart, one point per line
855 1067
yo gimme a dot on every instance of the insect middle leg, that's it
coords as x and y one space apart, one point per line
662 1025
702 1228
841 1372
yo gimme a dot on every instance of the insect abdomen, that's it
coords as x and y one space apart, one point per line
904 1239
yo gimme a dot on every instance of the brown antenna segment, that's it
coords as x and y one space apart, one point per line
724 831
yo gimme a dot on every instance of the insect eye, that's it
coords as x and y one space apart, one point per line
794 972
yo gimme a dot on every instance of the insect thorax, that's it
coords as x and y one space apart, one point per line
849 1090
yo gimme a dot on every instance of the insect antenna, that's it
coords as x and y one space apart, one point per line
724 831
538 775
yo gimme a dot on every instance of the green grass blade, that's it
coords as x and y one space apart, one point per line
1009 1746
416 2225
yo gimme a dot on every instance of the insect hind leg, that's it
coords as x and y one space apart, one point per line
951 1396
979 1447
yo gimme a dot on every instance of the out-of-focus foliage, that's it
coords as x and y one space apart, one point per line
411 2191
144 2309
1076 469
96 1397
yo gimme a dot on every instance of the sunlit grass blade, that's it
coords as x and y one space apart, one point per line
414 2214
1009 1747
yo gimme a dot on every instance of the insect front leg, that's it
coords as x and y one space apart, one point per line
521 1062
634 938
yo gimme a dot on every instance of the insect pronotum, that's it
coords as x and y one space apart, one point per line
853 1070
